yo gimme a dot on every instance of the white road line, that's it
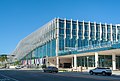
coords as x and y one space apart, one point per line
5 79
9 77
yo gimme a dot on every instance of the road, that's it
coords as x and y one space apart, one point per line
34 75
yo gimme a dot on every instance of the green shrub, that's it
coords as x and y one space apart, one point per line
43 66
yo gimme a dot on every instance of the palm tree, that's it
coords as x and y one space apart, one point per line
3 58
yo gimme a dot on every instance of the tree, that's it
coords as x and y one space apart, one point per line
17 63
3 58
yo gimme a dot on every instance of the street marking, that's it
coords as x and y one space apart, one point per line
7 78
4 79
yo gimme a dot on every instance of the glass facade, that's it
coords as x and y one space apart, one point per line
47 49
89 61
105 61
86 61
85 36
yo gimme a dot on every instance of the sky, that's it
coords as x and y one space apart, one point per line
19 18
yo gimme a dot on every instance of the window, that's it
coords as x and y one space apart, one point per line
86 61
74 32
108 29
80 26
61 31
61 43
105 60
68 26
67 31
67 41
74 26
98 28
61 25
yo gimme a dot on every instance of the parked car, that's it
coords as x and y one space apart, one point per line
18 67
51 69
103 71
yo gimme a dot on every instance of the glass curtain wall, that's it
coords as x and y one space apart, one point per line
86 61
90 35
105 61
89 61
118 31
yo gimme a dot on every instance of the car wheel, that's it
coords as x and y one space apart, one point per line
104 73
91 72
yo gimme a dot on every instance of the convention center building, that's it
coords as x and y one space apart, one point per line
67 43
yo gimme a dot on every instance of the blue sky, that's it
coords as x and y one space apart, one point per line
19 18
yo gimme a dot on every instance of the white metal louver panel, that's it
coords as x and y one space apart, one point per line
51 30
77 29
100 31
116 33
48 33
83 32
64 28
55 34
111 37
95 30
106 31
71 26
89 31
57 28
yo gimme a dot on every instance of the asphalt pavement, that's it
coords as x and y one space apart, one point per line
37 75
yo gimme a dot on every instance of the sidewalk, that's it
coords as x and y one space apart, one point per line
116 73
86 71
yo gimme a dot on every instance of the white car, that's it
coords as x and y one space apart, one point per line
103 71
18 67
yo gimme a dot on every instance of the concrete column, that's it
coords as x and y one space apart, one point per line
75 61
72 63
113 61
47 61
57 60
96 59
57 37
57 43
